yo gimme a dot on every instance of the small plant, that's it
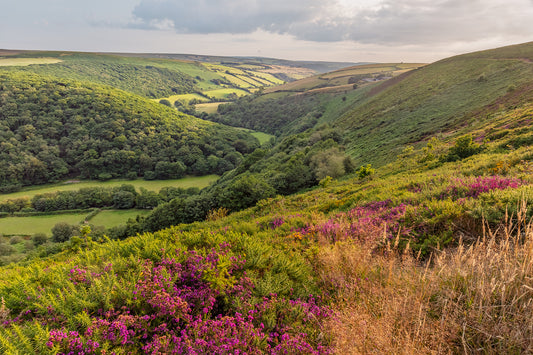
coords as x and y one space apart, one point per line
365 170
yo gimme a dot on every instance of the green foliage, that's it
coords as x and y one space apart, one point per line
463 148
39 239
365 170
54 128
62 232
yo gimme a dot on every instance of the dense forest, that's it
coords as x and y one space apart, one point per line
145 80
283 116
52 129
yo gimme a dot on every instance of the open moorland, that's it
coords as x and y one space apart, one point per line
392 217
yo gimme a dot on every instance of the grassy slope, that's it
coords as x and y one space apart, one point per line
339 241
432 99
150 77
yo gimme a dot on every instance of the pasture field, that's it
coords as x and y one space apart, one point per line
37 224
113 218
152 185
262 137
224 93
184 98
22 62
210 107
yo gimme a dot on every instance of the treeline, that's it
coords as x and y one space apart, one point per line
297 162
51 129
122 197
145 80
274 116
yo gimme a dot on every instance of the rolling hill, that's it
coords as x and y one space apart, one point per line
55 128
431 252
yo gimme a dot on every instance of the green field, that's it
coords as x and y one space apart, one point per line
36 224
210 107
153 185
113 218
185 98
262 137
224 93
8 62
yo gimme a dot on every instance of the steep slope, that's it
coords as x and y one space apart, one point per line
296 106
53 128
432 99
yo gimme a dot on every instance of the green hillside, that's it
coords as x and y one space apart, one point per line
53 128
156 78
429 250
432 99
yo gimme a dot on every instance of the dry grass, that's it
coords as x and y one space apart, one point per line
476 298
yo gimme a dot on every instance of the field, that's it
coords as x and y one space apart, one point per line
342 77
210 107
262 137
185 98
152 185
5 62
37 224
224 93
113 218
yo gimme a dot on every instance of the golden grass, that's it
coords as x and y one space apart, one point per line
475 298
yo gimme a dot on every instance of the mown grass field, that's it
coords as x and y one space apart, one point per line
153 185
210 107
113 218
224 93
5 62
37 224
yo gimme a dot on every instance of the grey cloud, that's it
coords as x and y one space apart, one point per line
388 22
232 16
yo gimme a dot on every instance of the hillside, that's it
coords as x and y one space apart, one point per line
428 251
299 105
174 77
54 128
302 272
435 98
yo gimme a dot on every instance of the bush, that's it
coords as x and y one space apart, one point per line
62 232
39 239
15 240
6 249
365 170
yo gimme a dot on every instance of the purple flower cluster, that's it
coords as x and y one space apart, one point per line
464 188
197 303
368 222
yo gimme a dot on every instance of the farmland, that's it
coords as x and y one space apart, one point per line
152 185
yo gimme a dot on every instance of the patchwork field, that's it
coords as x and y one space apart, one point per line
152 185
37 224
5 62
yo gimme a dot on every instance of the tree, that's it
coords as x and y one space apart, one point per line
62 232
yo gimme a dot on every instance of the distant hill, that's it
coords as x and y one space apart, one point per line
317 66
299 105
54 128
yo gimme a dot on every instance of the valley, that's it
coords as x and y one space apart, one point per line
251 205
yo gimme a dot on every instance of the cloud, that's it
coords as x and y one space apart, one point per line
374 21
231 16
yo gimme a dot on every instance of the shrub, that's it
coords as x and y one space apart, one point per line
365 170
39 239
62 232
15 240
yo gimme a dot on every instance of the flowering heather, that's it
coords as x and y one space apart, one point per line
196 304
461 188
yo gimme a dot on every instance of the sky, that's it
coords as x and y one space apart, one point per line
327 30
